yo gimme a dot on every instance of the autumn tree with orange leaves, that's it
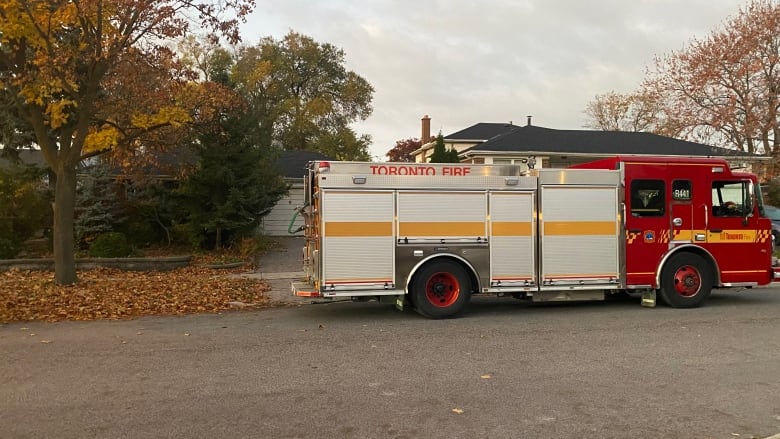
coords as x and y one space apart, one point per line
639 111
722 90
95 76
403 149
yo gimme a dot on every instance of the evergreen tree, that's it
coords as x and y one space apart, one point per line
454 158
97 205
234 185
441 154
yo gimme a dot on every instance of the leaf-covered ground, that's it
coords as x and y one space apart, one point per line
115 294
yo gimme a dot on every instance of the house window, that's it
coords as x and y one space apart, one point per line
647 197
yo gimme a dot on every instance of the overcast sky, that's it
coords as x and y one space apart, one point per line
464 62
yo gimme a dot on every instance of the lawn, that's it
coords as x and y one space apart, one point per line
115 294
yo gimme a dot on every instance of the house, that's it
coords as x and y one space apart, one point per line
292 165
461 140
30 157
501 143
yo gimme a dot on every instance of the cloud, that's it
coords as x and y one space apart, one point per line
463 62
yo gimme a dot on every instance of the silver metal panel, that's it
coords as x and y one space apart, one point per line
362 292
441 206
363 206
581 257
442 216
364 259
410 256
475 182
421 169
512 206
512 259
356 259
568 296
565 203
578 176
580 235
512 250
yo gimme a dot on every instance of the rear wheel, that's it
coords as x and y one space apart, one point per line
686 281
440 289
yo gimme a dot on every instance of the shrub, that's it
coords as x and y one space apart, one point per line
23 208
773 193
9 248
10 245
139 233
148 213
109 245
185 234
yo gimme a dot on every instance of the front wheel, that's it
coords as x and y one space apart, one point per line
440 289
686 281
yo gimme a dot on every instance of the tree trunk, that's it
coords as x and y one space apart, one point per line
65 202
218 239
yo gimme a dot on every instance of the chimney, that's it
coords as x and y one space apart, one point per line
425 137
529 121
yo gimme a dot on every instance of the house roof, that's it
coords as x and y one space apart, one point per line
538 139
482 131
292 164
476 133
26 156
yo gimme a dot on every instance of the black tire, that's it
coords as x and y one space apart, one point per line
440 289
686 281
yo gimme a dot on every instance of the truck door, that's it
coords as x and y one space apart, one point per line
647 227
682 215
733 232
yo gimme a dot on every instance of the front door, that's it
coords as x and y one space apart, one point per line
734 227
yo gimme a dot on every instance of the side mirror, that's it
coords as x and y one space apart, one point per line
750 201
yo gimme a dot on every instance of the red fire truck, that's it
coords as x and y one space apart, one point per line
433 235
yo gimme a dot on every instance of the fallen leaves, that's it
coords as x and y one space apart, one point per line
114 294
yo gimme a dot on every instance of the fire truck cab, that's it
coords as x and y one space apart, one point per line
433 235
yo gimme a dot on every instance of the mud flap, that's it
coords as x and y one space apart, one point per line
397 300
648 298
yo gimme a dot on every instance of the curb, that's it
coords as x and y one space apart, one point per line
271 276
282 275
164 263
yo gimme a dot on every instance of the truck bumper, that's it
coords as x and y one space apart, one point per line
304 289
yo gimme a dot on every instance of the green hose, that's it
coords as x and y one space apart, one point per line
292 221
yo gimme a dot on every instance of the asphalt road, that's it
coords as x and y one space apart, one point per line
507 369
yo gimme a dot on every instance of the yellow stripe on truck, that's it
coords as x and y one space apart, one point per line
510 228
354 228
562 228
735 236
454 228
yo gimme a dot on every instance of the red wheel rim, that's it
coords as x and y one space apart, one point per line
687 281
442 289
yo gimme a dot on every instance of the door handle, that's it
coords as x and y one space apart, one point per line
677 222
